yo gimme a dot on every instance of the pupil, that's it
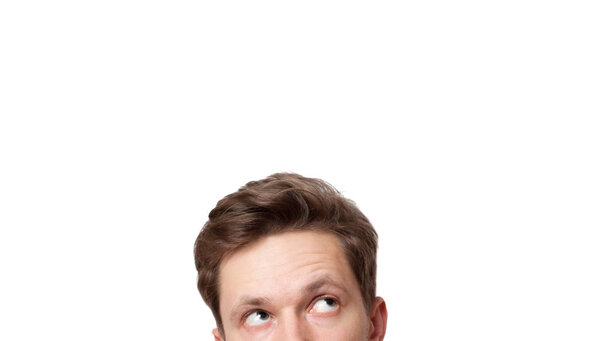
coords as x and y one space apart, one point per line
262 315
329 301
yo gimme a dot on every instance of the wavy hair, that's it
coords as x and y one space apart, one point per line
279 203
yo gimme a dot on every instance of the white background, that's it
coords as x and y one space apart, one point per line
466 130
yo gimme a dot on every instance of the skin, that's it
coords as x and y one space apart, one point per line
295 286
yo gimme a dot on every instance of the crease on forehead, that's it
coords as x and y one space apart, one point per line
259 246
244 301
316 261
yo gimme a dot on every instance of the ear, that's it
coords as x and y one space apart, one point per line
378 319
217 334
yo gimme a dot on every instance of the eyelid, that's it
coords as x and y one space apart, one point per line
322 297
250 312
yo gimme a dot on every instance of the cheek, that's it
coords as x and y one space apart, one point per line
257 333
351 327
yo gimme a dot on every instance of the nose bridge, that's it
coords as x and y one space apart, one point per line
294 327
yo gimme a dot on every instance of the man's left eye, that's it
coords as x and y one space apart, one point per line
324 305
257 318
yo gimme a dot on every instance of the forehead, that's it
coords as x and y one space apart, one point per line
277 266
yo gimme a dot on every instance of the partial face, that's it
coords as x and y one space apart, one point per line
292 286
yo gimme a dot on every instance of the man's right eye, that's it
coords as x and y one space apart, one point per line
257 318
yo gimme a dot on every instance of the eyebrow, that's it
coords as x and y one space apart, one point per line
246 302
321 282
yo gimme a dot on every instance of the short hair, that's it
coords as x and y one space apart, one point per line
280 203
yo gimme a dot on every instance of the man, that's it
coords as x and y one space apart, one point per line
289 258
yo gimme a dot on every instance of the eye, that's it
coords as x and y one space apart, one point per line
257 318
324 305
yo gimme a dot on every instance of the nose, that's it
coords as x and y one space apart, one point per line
294 328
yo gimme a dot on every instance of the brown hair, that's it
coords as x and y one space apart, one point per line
283 202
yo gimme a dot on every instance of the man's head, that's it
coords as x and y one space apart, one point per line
288 257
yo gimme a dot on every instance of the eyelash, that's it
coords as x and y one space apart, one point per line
245 316
325 297
316 299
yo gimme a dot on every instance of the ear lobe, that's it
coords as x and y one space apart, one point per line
217 334
378 319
